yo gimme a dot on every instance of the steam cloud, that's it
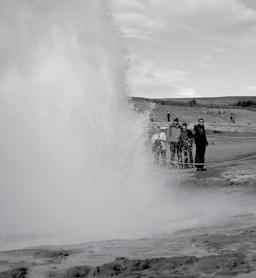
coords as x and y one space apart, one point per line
73 159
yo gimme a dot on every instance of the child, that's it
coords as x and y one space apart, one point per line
186 144
159 145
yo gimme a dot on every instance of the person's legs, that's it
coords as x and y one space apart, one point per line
163 154
179 154
200 154
185 156
156 152
172 153
190 155
203 148
198 157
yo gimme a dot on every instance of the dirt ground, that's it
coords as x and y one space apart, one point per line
226 249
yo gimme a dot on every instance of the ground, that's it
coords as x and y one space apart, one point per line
219 249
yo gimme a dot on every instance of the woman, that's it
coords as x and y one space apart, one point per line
186 145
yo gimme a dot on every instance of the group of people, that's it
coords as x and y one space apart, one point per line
180 141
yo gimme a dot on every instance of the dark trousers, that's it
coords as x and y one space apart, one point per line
175 149
187 152
200 153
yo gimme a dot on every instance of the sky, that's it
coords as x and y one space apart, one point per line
189 48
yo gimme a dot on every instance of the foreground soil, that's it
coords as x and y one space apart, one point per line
225 255
227 250
224 250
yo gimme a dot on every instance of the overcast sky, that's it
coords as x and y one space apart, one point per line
189 48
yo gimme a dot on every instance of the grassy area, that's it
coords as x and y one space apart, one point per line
216 102
215 111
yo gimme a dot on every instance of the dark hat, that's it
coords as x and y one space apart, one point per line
175 119
184 124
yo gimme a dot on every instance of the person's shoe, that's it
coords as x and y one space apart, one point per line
201 169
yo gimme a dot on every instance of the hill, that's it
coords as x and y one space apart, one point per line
215 111
240 101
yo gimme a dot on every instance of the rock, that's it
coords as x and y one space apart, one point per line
78 271
14 273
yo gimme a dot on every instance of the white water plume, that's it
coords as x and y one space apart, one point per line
73 159
72 151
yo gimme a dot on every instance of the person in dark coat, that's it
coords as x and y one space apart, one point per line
168 117
201 143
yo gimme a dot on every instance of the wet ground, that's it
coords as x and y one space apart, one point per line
225 252
225 247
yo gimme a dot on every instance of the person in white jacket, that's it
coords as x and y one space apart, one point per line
159 145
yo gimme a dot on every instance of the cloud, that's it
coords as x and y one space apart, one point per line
134 20
218 49
229 21
208 57
209 60
251 87
187 92
153 79
207 65
138 25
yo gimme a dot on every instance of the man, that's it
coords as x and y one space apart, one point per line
174 139
159 145
168 117
186 144
201 143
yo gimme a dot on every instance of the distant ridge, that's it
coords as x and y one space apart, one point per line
202 101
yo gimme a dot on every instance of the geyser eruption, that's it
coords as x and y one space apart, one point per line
73 160
72 151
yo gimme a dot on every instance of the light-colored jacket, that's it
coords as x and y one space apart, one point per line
161 138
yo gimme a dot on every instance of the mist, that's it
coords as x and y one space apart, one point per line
74 161
72 150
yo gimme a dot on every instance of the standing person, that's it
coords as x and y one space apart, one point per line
232 118
174 139
159 145
168 117
163 140
201 143
186 144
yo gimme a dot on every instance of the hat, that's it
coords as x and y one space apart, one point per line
176 119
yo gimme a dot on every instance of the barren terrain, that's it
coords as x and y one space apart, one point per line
226 248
